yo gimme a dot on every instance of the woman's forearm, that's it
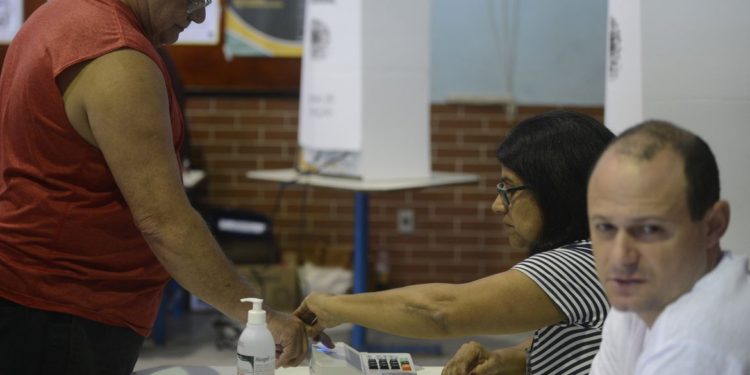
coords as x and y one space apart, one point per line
420 311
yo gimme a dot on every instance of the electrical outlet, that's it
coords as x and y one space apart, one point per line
405 220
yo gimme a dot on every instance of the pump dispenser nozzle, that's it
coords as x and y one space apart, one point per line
256 315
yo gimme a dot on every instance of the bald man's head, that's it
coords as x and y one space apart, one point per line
643 142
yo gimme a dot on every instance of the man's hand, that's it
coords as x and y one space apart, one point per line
314 325
473 359
291 341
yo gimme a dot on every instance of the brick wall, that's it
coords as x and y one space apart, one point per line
457 238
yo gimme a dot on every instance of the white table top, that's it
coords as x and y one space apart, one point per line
231 370
354 184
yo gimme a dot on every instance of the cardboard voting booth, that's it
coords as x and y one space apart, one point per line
686 61
365 100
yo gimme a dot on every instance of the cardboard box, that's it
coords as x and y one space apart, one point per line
325 255
278 283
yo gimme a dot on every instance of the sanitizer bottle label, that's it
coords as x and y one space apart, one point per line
250 365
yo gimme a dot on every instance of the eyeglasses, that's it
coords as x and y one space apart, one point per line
195 5
505 191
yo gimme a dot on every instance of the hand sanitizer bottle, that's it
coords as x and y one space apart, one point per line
256 350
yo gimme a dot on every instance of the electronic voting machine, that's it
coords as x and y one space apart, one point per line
345 360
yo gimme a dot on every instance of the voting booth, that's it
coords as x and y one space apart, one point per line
686 61
364 99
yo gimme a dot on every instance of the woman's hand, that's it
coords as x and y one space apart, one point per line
315 319
473 359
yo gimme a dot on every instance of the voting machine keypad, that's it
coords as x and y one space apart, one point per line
387 362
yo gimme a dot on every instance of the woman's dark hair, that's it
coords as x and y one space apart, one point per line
554 154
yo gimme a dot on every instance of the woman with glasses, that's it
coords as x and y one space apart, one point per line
544 166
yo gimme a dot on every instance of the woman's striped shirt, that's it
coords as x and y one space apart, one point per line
568 276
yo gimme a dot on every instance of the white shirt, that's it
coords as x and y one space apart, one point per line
705 331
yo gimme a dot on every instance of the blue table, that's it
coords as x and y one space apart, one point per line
361 190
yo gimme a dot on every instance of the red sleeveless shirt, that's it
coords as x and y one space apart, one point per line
68 242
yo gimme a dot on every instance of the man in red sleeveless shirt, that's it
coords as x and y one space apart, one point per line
93 216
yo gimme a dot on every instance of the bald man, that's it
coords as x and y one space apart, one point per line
680 303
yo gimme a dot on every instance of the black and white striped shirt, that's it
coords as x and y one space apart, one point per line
568 276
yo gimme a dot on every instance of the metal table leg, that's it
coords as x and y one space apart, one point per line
361 208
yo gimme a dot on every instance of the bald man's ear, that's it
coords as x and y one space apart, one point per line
717 219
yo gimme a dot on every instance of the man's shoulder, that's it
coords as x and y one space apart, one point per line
715 311
727 285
